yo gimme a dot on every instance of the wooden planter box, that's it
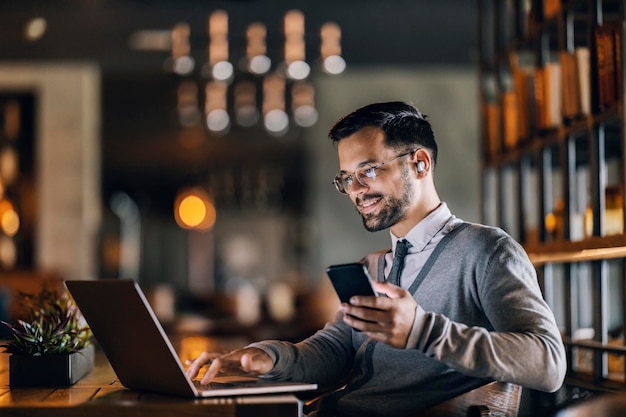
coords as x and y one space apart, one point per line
51 370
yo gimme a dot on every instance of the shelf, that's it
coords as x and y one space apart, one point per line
582 255
554 160
597 346
596 243
549 137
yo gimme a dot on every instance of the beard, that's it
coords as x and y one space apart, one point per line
395 208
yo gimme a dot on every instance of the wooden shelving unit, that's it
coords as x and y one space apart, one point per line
554 152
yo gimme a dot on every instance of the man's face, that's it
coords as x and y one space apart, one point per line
385 201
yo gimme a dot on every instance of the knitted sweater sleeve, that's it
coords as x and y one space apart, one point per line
524 346
325 358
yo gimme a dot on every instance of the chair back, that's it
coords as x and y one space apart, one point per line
495 397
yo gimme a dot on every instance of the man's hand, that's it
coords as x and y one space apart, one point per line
386 319
247 360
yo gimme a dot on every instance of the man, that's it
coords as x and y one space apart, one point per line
466 309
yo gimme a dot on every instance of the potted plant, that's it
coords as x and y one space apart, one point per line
51 344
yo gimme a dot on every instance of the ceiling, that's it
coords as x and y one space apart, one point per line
397 32
137 95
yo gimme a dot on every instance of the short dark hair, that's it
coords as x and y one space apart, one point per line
403 124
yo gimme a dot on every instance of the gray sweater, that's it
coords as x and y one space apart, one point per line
482 318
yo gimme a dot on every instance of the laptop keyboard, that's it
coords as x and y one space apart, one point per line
222 385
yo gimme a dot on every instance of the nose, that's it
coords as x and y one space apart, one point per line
355 189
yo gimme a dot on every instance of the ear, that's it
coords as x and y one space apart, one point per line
421 159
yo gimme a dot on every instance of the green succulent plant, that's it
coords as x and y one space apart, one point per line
52 325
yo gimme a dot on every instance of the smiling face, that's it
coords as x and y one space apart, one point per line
388 201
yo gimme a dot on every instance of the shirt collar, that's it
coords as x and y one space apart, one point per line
423 232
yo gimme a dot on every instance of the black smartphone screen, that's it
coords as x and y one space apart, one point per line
350 279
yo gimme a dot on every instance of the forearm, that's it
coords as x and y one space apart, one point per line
531 358
324 358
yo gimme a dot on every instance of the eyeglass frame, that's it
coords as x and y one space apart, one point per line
349 179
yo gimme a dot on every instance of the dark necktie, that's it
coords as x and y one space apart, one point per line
402 247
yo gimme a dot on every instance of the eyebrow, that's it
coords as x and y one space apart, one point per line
367 162
361 164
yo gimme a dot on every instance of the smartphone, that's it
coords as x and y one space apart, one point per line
350 279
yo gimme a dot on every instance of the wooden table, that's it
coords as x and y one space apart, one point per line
100 394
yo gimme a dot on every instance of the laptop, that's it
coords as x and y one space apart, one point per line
140 352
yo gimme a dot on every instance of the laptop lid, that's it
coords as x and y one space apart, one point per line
137 347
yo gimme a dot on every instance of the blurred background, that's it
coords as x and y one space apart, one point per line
172 142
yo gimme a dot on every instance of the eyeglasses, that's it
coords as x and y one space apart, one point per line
365 174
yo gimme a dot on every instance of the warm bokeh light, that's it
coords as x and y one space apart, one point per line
9 219
182 62
305 115
276 122
223 71
330 49
192 346
297 68
256 49
10 222
183 65
228 81
8 252
303 104
194 210
295 45
5 206
550 223
334 65
35 28
9 165
218 37
217 118
280 302
275 119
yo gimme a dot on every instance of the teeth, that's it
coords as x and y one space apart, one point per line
368 203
